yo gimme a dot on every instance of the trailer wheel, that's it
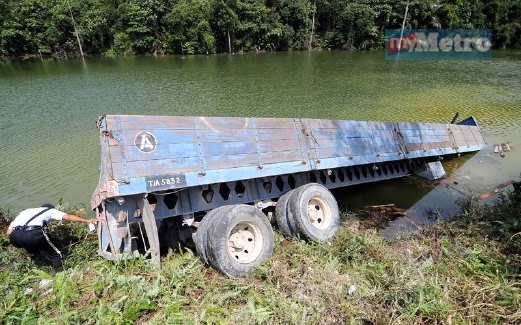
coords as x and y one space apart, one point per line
201 235
315 211
239 240
284 217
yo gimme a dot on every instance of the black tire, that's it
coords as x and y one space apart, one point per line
284 216
323 223
249 229
201 235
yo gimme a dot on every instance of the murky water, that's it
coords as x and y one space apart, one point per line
50 146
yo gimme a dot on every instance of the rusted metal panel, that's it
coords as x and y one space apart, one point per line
163 151
278 145
143 122
274 123
280 157
236 160
334 152
226 135
154 167
162 136
237 148
278 134
219 123
229 148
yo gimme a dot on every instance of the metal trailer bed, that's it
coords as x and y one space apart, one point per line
160 175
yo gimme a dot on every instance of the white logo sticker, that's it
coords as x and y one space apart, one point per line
145 142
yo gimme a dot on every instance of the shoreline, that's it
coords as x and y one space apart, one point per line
36 57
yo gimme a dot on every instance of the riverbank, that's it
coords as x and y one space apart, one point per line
465 271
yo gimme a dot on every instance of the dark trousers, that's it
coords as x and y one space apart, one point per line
35 241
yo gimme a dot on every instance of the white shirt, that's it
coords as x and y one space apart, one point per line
27 214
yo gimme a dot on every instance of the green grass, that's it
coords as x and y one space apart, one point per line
464 271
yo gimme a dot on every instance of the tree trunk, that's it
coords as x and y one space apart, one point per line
312 27
40 54
229 43
403 26
75 29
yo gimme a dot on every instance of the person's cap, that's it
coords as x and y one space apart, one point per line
47 205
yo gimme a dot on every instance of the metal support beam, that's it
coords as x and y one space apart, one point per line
433 170
152 234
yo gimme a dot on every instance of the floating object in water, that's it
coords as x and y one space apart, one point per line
385 209
496 190
501 148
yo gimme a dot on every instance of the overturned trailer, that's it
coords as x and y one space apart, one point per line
214 184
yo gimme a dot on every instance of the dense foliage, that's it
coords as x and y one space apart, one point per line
116 27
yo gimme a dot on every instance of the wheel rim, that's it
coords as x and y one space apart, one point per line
319 213
245 242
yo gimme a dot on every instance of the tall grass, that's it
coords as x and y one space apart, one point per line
464 271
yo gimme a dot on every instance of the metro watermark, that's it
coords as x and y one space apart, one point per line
440 44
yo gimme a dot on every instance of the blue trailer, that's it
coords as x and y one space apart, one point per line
215 183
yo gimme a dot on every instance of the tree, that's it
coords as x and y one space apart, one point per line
225 21
189 29
95 19
26 33
45 28
504 18
294 17
348 25
140 27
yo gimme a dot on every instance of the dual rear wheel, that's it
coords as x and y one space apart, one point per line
233 239
310 212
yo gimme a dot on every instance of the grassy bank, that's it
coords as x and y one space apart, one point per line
465 271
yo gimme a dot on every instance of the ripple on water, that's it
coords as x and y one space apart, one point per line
51 147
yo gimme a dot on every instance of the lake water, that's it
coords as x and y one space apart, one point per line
50 145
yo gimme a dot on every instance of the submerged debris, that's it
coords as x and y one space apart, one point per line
501 148
497 189
387 209
378 216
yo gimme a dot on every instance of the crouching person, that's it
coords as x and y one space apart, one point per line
29 230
